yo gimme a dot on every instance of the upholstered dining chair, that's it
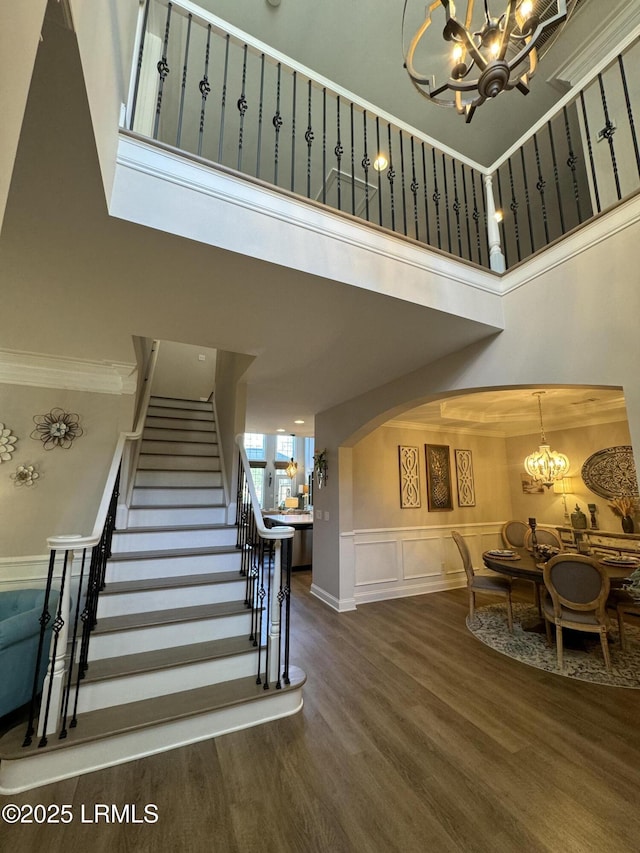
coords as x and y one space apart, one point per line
578 587
623 603
513 533
492 585
544 537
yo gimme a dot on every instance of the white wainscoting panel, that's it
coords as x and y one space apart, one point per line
396 562
376 562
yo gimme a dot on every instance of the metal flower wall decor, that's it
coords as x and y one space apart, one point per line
25 475
7 443
57 429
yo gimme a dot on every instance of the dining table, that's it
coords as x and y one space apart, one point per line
524 564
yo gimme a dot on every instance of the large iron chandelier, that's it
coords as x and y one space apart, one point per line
545 465
495 46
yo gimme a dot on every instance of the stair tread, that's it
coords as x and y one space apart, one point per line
98 725
167 528
141 662
145 584
153 618
177 506
168 553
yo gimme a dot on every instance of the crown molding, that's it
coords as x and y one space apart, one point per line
52 371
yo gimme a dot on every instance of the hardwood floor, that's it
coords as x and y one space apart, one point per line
414 737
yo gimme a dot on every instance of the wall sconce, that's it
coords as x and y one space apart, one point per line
564 487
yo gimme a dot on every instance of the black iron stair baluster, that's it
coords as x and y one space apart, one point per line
204 88
242 106
163 71
183 86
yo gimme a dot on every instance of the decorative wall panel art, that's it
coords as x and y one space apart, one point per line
409 462
464 478
439 498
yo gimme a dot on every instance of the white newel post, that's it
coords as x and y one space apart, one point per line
57 665
274 621
496 258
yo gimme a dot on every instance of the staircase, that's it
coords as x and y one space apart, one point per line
170 658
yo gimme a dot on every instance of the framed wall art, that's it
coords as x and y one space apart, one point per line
409 463
464 478
439 497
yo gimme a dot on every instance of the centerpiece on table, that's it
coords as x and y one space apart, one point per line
624 507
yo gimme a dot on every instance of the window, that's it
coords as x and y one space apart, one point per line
284 448
255 445
258 481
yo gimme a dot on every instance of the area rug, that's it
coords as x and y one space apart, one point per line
530 647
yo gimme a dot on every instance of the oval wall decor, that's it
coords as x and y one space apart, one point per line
611 472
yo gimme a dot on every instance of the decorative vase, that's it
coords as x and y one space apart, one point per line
627 524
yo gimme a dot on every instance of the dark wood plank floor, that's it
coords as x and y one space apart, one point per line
413 737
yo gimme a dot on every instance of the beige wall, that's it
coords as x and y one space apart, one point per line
66 497
181 373
578 444
376 483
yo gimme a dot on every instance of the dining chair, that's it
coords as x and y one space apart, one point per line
578 587
513 533
482 583
544 537
622 602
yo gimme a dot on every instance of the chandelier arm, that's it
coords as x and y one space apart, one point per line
509 26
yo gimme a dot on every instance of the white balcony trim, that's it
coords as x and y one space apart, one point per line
71 374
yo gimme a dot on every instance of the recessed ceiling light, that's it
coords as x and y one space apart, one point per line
280 430
298 422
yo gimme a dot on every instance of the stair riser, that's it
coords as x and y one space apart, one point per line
176 497
188 435
184 479
147 685
183 414
116 643
174 403
145 601
188 424
161 461
128 570
181 448
163 540
176 517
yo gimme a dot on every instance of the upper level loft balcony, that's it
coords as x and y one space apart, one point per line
203 87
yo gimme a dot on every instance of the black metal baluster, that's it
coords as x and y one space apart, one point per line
446 201
556 177
415 186
353 165
287 590
425 193
44 619
277 124
366 163
378 171
540 185
607 133
590 149
632 126
242 106
57 626
513 207
309 140
204 88
501 224
476 214
527 200
183 88
390 177
223 100
483 214
402 183
466 210
572 160
338 151
72 657
293 132
260 111
324 146
163 70
456 207
136 87
436 197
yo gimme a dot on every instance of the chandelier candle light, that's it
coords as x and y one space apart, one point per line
545 465
495 46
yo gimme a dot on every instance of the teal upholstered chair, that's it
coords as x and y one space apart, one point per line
20 611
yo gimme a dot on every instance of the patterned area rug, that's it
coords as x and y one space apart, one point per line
584 662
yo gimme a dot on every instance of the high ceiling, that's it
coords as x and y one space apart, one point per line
358 44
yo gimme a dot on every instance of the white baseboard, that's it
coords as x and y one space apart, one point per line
342 605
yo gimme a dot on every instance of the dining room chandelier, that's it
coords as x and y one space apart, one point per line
292 468
492 46
545 465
